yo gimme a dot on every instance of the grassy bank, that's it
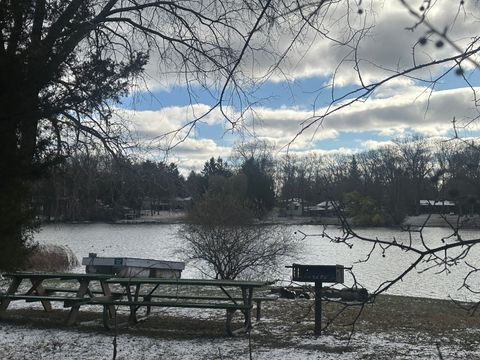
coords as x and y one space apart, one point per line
392 327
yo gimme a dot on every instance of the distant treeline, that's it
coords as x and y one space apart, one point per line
99 188
94 187
380 186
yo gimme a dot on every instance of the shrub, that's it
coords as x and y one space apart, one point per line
225 242
51 258
227 252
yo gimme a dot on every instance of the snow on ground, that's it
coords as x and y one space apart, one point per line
18 342
269 340
277 337
23 342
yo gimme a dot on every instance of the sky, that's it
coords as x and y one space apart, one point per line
316 70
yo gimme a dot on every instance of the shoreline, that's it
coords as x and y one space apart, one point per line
410 222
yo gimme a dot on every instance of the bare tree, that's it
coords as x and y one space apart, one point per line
237 251
223 239
67 64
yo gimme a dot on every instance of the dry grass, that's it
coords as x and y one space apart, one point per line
286 319
430 319
51 258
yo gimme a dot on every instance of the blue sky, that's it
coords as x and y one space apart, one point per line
283 103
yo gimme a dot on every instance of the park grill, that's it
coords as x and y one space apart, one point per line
315 273
318 274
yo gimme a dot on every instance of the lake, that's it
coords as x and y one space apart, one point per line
159 241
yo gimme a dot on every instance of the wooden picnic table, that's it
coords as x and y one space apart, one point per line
141 292
135 293
37 291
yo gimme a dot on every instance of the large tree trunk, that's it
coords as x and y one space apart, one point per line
18 136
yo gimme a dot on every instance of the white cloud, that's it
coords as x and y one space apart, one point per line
374 144
155 123
385 47
192 153
411 109
382 39
428 113
322 152
389 116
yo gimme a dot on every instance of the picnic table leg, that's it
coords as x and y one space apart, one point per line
10 291
247 294
40 290
148 298
133 309
259 309
228 324
107 317
82 290
107 292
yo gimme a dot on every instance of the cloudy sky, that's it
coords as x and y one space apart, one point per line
286 107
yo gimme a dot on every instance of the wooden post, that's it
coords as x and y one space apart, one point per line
247 294
133 309
11 291
82 290
39 289
318 308
259 309
107 292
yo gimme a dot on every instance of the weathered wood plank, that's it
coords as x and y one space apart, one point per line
231 306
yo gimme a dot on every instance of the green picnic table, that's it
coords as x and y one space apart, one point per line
38 292
141 292
135 293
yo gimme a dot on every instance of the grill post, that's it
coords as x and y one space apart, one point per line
318 308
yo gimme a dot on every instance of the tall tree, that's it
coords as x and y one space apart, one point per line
417 164
354 181
66 63
260 186
460 176
216 167
195 185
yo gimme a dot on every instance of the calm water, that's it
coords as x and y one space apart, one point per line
162 242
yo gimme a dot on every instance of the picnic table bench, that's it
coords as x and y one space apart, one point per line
136 298
147 297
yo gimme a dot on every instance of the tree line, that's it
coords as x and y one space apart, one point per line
382 186
93 187
98 187
376 187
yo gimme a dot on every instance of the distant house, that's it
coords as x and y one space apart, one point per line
129 213
151 206
325 208
293 207
181 203
437 207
